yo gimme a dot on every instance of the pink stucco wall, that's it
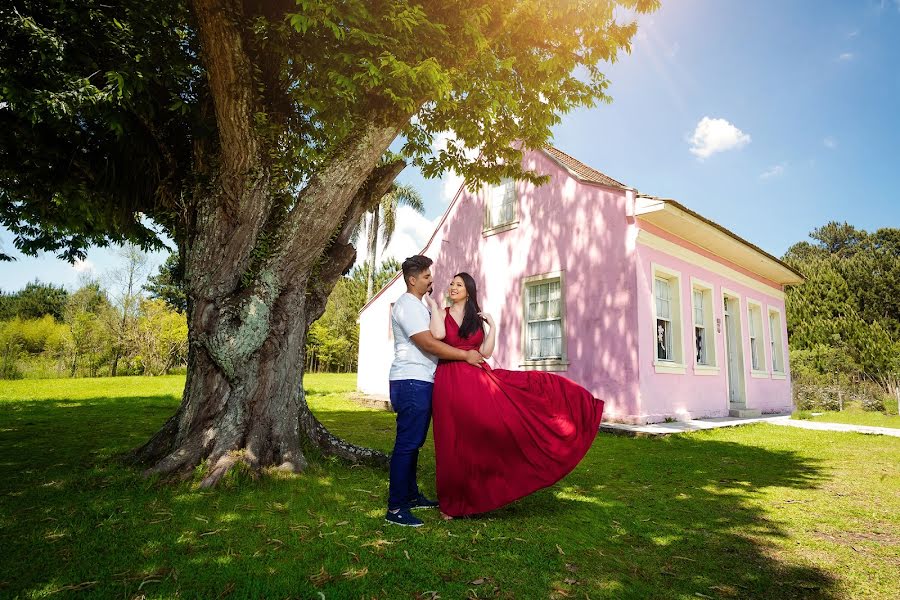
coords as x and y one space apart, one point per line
689 395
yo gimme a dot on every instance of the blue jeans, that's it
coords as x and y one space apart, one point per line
411 400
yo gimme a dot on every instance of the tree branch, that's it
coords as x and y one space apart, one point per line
340 255
229 70
322 205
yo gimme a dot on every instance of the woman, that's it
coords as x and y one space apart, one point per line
499 435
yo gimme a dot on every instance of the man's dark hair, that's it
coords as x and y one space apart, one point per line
414 265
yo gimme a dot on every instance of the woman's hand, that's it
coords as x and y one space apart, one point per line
487 318
431 302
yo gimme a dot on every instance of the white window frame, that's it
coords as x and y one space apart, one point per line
675 366
560 363
776 343
757 333
711 367
505 188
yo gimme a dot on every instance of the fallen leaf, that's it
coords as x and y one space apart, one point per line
355 573
321 578
560 550
570 581
478 581
571 568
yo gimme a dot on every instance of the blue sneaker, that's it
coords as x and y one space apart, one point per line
403 517
421 501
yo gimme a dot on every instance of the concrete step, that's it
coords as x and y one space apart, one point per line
745 413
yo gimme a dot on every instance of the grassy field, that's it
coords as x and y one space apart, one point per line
749 512
853 416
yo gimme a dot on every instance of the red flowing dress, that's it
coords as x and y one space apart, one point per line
500 435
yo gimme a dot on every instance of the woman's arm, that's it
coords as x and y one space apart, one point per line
438 330
487 346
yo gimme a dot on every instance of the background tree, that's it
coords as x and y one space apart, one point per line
87 314
333 340
34 301
844 320
125 281
251 133
160 337
168 283
380 223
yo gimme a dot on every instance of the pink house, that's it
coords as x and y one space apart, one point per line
655 309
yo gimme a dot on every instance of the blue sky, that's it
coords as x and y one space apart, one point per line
768 117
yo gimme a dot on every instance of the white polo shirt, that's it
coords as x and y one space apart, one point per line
409 317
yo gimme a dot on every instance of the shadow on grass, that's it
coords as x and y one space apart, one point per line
639 518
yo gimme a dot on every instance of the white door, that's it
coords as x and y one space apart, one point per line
733 352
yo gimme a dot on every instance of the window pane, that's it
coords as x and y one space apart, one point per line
754 354
698 307
663 340
700 342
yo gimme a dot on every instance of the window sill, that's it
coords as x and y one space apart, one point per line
779 375
499 229
706 370
554 364
759 374
669 368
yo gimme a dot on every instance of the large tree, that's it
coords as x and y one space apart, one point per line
255 135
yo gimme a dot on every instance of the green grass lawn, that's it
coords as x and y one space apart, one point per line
852 416
747 512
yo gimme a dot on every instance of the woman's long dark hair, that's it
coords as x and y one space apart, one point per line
471 321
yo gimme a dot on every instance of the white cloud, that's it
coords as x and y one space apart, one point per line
83 266
775 171
830 142
716 135
845 56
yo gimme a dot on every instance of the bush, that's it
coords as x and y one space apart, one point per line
816 397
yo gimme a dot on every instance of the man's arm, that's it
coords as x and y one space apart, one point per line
427 343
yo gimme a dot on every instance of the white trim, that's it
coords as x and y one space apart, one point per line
738 314
705 370
677 364
782 373
669 368
758 373
711 353
499 228
663 245
488 227
560 363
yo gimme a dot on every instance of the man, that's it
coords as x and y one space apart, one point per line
416 353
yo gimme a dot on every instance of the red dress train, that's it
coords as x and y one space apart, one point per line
500 435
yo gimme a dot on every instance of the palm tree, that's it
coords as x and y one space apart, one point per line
381 220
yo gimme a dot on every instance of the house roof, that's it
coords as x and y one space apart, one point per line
677 219
581 170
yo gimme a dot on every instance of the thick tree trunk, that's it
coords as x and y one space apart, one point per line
254 412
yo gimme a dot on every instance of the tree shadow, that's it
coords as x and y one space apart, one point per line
638 518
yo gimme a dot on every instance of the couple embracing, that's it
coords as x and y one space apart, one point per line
499 435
